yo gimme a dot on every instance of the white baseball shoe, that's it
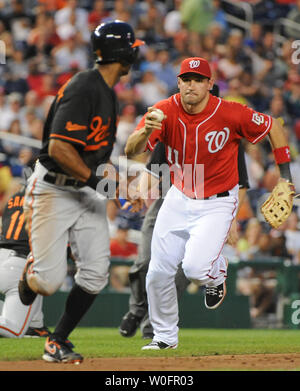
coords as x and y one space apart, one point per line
158 345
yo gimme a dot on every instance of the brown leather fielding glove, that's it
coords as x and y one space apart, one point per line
277 208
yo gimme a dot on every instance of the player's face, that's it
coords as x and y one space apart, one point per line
125 69
193 88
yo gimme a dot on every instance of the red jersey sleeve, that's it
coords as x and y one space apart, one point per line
253 125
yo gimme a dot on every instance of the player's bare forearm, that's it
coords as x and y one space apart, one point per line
137 142
279 143
67 157
277 135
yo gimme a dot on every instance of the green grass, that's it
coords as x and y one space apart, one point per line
103 342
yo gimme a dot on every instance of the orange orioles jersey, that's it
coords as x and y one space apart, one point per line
14 235
84 113
202 149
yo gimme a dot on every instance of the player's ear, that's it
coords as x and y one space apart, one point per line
211 83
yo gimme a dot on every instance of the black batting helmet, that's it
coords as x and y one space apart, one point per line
115 42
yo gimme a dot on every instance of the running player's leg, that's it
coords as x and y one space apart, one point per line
203 262
167 251
15 317
89 240
49 218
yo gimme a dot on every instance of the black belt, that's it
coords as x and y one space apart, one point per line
62 180
224 194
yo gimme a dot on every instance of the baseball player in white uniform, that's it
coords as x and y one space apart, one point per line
201 133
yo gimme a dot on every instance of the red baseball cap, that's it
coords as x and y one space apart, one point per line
195 65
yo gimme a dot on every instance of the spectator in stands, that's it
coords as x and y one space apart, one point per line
27 121
31 100
253 241
236 42
71 20
20 22
126 126
292 95
11 148
151 24
255 168
53 5
197 15
71 53
43 37
17 65
293 31
151 89
234 92
254 39
163 69
172 21
292 235
97 14
121 247
229 66
12 112
2 101
128 93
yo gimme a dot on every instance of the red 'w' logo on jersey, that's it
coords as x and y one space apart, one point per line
217 139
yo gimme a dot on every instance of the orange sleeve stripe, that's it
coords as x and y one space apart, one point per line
54 135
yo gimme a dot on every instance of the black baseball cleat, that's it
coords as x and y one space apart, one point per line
214 296
37 332
158 345
129 325
26 295
57 350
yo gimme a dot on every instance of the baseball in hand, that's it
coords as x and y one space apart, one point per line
157 115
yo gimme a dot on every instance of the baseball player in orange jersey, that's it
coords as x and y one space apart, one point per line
16 319
201 133
61 201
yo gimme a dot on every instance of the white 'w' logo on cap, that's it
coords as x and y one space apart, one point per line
194 63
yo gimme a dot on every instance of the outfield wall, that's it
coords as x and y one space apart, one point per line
110 306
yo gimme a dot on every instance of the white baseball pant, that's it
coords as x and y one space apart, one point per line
15 317
62 215
194 232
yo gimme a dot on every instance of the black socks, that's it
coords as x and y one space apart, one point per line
78 303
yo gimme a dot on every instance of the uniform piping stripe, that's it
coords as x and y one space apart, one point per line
196 152
150 145
22 328
184 140
234 209
54 135
174 97
264 133
30 217
183 148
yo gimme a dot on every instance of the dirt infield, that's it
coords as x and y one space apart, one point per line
254 362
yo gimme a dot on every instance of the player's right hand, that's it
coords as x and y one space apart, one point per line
150 122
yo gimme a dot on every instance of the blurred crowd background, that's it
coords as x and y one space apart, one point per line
254 63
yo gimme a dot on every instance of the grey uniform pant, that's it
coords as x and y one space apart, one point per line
138 303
